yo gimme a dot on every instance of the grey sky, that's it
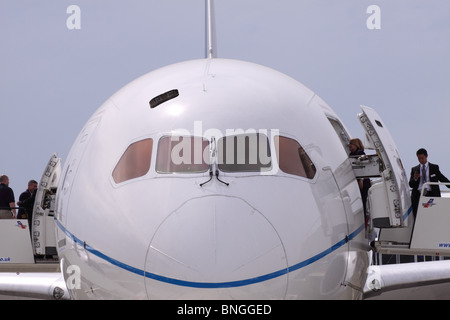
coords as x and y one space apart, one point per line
52 78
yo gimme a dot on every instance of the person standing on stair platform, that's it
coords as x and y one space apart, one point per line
356 148
6 199
421 174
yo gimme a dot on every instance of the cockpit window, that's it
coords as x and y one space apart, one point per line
293 159
182 154
244 153
135 162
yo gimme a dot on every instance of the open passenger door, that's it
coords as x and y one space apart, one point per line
43 228
389 198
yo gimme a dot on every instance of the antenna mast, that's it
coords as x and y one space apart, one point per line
211 46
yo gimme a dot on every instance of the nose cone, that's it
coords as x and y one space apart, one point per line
216 247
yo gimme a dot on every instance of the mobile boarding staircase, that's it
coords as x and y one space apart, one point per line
399 232
389 199
25 247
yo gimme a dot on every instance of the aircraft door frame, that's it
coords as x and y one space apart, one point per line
379 138
43 227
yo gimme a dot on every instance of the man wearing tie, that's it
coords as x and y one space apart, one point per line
424 172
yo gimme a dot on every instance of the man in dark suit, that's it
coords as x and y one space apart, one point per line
424 172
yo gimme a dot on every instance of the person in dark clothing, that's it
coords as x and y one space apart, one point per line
356 148
24 213
7 200
28 205
421 174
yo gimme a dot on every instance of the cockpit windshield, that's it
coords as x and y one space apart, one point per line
293 159
240 153
182 154
244 153
135 162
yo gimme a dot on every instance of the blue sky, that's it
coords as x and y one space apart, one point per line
52 78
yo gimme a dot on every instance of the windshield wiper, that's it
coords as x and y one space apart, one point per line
210 177
217 176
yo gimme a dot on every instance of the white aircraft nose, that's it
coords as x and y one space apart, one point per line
216 247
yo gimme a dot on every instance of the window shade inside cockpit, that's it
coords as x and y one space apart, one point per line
135 162
293 159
